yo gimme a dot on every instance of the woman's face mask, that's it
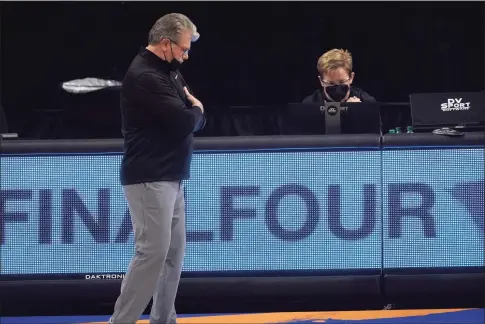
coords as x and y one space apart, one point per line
336 84
337 92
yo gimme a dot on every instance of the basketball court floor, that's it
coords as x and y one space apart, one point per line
430 316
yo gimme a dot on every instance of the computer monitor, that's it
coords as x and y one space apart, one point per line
452 109
332 118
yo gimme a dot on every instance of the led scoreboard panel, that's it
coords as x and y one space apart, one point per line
306 209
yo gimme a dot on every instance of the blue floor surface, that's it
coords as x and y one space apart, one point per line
469 316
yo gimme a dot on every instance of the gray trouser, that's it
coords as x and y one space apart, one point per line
158 216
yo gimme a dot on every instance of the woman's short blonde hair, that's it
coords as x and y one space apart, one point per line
334 59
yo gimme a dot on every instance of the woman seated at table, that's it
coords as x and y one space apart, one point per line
336 76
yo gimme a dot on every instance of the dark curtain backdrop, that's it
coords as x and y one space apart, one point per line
249 53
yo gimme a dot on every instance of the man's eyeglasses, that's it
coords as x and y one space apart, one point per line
184 51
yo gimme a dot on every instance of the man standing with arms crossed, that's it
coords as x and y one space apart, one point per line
159 116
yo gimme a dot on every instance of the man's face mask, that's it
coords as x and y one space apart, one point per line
337 92
175 63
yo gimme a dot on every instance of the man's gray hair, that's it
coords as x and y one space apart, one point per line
171 26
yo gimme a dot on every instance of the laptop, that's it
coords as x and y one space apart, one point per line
463 110
310 119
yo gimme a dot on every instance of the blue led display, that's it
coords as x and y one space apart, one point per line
434 208
253 211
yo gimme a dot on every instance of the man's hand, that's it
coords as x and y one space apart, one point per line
353 99
193 100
